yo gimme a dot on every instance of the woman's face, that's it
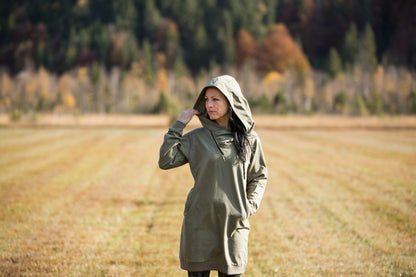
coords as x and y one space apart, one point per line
217 106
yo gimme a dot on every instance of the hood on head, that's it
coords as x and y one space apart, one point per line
232 91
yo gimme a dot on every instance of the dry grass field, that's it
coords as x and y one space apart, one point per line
93 202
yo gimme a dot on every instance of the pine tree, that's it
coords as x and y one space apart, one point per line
351 47
334 62
247 15
129 51
152 18
100 41
368 50
271 12
126 15
199 50
228 40
84 38
148 60
179 67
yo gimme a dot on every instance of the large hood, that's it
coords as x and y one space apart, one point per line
232 91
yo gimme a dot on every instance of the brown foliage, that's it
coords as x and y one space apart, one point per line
65 85
279 51
245 47
161 60
166 39
44 82
162 81
6 84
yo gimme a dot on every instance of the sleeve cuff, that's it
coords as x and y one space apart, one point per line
178 126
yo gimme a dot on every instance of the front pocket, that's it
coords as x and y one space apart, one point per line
238 245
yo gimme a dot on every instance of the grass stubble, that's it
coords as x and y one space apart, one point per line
92 202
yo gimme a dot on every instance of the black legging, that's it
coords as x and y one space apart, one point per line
206 274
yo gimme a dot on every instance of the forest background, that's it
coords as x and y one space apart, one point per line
346 57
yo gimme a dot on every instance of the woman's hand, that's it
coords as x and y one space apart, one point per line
187 115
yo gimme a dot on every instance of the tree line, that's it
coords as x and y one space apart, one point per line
290 50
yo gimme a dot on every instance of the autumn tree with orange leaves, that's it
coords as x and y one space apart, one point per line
279 52
245 47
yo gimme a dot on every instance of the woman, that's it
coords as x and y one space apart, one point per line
227 162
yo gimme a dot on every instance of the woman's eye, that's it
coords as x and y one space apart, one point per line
213 99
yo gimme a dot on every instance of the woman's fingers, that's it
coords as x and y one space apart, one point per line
187 115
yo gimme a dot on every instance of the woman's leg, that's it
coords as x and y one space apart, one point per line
198 274
220 274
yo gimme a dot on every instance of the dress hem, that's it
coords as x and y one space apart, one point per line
205 266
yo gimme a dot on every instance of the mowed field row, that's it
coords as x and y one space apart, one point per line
93 202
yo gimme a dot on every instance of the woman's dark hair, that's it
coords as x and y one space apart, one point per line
241 141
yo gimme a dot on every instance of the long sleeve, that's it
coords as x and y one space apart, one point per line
256 176
173 152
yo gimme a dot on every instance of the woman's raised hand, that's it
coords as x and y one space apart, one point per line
187 115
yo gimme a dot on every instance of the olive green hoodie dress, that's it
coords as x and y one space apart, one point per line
226 191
